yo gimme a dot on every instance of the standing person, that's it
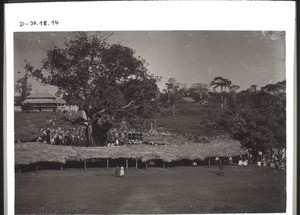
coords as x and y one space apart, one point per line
221 167
230 161
217 160
121 171
117 171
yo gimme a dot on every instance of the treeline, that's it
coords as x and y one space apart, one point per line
256 117
113 87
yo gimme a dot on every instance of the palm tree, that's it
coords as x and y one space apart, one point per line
217 82
223 84
226 83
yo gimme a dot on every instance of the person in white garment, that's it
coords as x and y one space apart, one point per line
121 171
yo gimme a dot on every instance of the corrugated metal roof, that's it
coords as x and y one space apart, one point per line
41 101
40 95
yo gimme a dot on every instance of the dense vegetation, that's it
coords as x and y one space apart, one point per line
114 88
257 118
107 81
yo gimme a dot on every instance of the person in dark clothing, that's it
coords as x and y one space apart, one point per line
117 171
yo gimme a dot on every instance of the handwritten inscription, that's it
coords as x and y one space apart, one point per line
38 23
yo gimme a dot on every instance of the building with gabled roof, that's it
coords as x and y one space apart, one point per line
42 101
187 100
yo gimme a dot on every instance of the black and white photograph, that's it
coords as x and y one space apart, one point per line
187 121
150 122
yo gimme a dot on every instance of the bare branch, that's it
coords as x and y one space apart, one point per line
99 112
105 36
126 106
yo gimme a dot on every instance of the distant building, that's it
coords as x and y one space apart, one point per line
17 97
42 101
17 102
187 100
203 102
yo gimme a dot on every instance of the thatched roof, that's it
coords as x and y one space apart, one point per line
26 153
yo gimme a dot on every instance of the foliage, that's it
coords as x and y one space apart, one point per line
172 94
259 120
22 86
198 91
223 84
107 80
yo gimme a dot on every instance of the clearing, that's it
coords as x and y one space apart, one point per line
171 190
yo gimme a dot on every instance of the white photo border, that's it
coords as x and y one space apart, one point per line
155 15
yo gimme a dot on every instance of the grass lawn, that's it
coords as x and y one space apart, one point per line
187 121
155 190
28 125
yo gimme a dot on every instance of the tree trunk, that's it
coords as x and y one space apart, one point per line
222 99
234 99
174 114
89 137
222 103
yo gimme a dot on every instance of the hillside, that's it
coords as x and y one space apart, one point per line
190 119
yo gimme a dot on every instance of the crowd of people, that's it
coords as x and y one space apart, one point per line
272 160
276 159
75 136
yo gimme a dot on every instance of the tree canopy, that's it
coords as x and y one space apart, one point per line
99 76
172 94
259 120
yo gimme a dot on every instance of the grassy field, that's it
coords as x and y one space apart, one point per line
172 190
28 125
188 120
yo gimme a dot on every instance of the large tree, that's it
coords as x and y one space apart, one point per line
223 84
106 80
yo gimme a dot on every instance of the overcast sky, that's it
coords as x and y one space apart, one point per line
244 57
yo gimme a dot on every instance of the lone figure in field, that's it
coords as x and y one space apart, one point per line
117 171
221 166
122 171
